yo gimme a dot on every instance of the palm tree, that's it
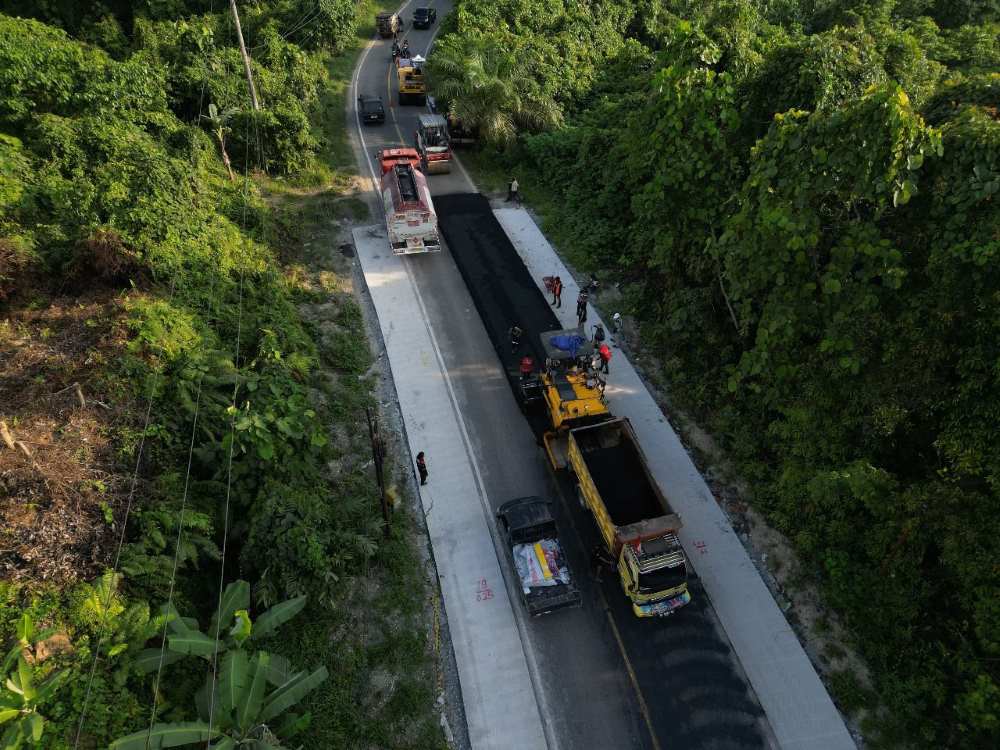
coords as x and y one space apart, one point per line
217 124
485 88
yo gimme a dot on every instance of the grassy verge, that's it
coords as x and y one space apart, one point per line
374 635
225 308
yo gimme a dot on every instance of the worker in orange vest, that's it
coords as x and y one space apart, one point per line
605 353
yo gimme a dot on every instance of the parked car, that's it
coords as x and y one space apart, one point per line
424 17
371 109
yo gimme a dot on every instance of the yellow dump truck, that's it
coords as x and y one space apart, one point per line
635 521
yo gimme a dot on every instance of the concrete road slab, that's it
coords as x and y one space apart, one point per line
797 704
500 703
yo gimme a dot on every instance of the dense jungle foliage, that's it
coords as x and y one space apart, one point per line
801 201
142 255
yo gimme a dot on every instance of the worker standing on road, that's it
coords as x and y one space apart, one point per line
527 367
581 308
605 353
422 468
515 338
616 323
513 192
557 292
598 335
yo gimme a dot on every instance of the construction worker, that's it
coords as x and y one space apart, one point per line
405 49
422 468
581 308
557 292
598 335
515 338
600 560
595 361
513 192
605 353
616 322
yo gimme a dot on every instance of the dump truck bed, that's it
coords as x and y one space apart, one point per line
619 473
616 484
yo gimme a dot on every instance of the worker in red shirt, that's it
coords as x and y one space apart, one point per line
557 292
605 353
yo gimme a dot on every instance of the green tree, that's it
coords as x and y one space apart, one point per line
483 84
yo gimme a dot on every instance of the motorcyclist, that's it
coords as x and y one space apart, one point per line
405 51
395 48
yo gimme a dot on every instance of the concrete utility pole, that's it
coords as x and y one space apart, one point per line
246 57
378 456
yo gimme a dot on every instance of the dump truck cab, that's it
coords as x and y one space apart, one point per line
654 575
433 143
410 79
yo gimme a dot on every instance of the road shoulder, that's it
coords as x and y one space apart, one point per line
497 691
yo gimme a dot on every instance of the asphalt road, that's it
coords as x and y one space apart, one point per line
607 679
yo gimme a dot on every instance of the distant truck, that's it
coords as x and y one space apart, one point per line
388 24
638 529
433 143
531 541
410 80
409 212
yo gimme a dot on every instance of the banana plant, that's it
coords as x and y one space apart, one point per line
230 625
237 708
218 126
23 694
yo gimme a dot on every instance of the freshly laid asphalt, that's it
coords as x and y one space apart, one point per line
694 694
606 678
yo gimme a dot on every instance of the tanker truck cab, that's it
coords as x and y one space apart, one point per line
654 574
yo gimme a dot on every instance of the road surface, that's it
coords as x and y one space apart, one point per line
610 680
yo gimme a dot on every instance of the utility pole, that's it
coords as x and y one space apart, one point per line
246 57
378 455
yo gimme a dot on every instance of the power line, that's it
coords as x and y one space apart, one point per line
232 442
102 632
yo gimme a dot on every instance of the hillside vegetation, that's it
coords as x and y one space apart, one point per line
801 202
182 392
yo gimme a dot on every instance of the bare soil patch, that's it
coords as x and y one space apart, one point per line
64 482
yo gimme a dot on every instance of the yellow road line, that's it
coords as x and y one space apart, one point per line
643 708
393 106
